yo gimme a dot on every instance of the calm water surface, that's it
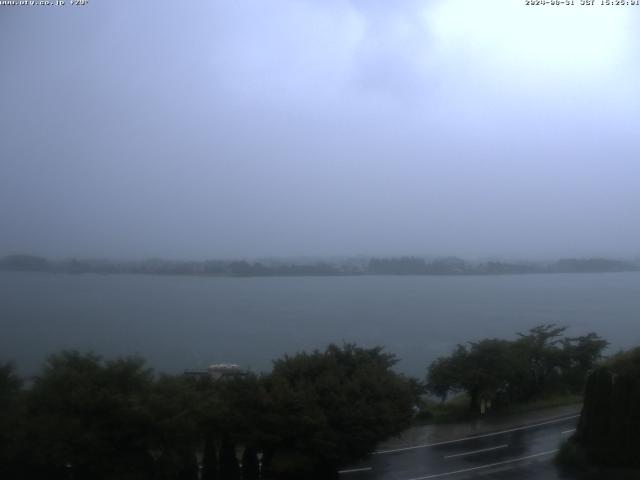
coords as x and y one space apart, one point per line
189 322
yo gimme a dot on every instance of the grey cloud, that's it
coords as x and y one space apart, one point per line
292 128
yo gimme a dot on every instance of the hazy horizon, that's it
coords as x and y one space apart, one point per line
327 258
313 128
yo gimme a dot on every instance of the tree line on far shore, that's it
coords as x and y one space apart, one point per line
281 268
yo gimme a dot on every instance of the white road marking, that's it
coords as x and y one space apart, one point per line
354 470
567 431
477 451
436 475
466 439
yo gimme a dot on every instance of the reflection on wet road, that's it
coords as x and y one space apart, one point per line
518 453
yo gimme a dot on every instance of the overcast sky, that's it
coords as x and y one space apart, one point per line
245 128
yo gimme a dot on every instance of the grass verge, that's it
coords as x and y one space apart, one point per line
457 408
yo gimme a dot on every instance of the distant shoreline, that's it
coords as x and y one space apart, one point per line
396 266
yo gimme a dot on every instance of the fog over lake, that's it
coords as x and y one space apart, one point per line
316 128
188 322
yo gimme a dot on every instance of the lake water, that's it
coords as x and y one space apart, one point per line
190 322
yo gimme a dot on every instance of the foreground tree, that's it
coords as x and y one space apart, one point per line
539 362
580 355
328 408
210 459
539 348
87 418
608 432
11 420
483 370
175 434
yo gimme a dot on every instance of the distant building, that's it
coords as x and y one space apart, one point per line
218 371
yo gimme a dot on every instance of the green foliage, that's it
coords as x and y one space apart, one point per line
241 409
443 376
114 420
626 363
10 386
89 414
454 409
334 406
609 427
537 363
10 413
171 404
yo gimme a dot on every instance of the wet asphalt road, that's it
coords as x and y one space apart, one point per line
518 453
